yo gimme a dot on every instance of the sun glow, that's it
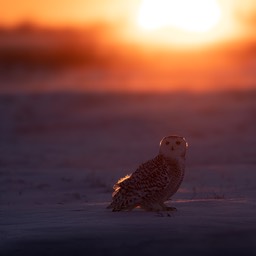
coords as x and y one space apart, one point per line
195 16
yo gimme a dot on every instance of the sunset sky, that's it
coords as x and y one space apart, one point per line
186 19
63 12
174 43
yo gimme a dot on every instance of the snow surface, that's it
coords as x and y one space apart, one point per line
60 154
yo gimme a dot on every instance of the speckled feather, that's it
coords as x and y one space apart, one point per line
151 184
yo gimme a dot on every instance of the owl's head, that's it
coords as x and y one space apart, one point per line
173 147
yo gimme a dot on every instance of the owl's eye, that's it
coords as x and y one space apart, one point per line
167 143
178 142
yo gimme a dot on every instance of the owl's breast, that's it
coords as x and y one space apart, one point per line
176 175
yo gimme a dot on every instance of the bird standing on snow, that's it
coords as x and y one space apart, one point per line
155 181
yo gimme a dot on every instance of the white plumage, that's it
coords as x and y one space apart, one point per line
155 181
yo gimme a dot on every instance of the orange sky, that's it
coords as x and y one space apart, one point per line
236 58
62 12
51 12
237 18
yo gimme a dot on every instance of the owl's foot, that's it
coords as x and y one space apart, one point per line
158 208
167 211
169 208
152 207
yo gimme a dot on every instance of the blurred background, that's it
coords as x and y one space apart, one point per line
79 77
88 88
136 45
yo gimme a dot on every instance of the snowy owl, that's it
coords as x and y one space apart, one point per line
155 181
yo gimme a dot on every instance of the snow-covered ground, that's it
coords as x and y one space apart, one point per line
60 154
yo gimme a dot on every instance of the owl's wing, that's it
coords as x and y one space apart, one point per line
123 182
151 176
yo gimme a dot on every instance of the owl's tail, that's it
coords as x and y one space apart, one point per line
121 202
122 196
118 202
